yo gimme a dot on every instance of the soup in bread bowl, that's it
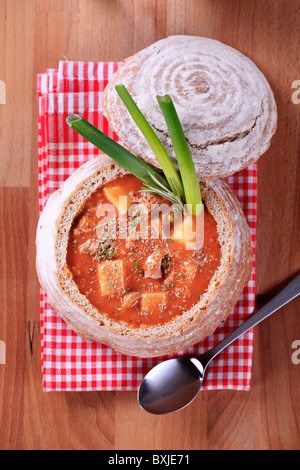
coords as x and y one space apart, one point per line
144 292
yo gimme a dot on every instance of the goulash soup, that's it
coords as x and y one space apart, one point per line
136 259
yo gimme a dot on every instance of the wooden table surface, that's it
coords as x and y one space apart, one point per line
34 36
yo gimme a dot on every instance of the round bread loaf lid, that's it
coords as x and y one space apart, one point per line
224 102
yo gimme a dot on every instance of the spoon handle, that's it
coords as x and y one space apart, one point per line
291 291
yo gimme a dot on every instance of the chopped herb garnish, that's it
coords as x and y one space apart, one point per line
165 260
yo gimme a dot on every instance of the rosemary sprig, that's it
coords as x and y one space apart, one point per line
162 191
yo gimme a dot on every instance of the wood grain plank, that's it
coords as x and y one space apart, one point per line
16 59
277 382
14 218
66 420
230 424
136 429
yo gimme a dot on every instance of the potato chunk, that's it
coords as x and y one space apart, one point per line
152 302
189 231
130 300
118 197
111 277
153 265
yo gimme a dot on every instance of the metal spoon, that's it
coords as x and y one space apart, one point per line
173 384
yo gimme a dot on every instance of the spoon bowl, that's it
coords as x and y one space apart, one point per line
173 384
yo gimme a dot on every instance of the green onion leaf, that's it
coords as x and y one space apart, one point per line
185 162
159 151
126 159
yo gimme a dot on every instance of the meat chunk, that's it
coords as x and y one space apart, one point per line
99 249
86 223
200 257
88 247
152 266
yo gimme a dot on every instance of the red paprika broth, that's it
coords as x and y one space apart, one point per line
139 281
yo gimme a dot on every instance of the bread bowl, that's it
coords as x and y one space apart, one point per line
181 331
224 102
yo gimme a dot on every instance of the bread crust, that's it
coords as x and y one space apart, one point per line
224 290
225 104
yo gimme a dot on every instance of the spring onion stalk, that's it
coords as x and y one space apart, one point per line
126 159
188 173
159 151
156 183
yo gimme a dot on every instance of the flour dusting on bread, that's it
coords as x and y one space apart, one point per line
224 102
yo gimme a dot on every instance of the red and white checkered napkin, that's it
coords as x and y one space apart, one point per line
68 362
